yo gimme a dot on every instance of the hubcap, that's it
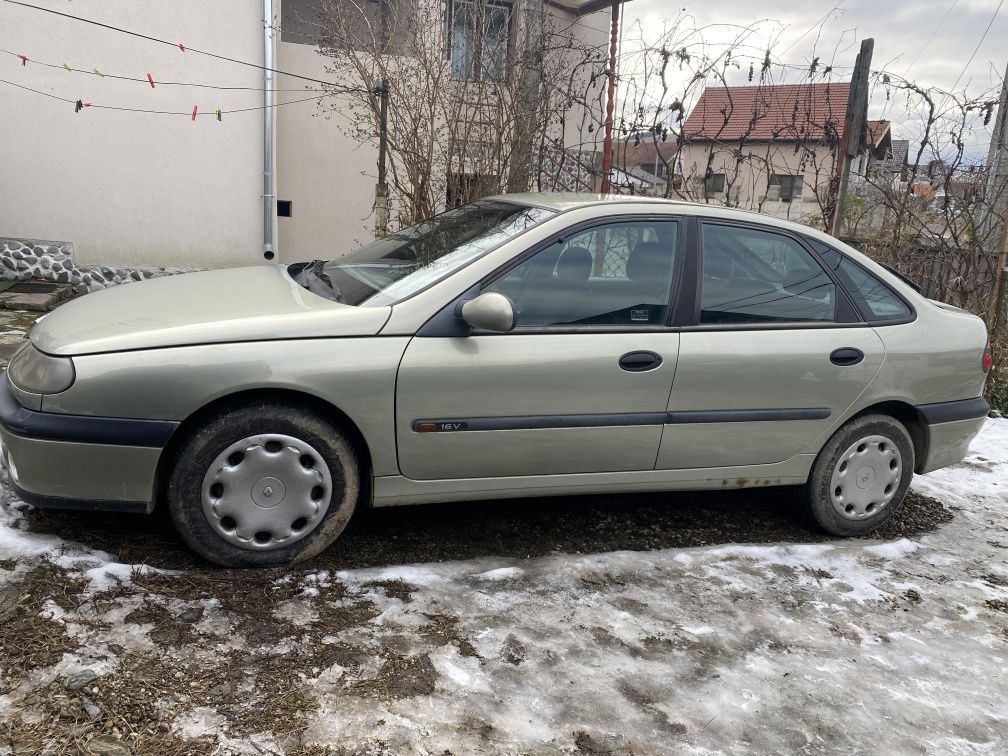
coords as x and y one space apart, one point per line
866 478
267 491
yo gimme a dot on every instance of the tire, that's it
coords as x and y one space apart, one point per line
268 467
861 476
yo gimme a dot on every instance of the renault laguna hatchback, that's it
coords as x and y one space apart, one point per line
522 345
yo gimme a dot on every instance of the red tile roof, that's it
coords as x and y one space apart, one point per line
778 112
645 153
875 133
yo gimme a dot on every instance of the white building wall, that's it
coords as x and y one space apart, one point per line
329 178
134 188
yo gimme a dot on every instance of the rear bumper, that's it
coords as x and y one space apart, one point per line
951 426
79 462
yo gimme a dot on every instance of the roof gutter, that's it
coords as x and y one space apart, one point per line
268 123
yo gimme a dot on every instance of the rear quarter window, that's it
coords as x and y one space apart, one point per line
875 300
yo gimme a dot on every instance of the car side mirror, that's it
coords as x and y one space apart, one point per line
490 312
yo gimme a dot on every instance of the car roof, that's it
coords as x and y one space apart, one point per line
564 201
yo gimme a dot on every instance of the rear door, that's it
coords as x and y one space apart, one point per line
582 383
774 354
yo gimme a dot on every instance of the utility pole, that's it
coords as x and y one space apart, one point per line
610 99
854 129
381 189
995 209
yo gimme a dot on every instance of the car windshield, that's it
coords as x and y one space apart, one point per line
391 269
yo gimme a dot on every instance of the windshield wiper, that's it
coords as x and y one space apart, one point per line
312 276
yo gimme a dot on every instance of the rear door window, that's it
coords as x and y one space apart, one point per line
752 276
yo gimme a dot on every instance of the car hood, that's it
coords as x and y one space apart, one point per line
210 307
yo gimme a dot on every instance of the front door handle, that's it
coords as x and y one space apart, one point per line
638 362
846 356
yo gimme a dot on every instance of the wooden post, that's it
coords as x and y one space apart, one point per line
854 129
610 99
1000 290
995 199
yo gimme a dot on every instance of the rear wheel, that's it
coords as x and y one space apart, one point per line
263 484
860 477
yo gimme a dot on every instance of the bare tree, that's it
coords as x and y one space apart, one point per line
468 115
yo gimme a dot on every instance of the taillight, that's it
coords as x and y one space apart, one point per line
987 358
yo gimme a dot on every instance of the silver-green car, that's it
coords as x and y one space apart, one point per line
523 345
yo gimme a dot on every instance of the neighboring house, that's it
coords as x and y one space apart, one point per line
769 148
634 180
875 147
645 152
894 166
137 189
963 188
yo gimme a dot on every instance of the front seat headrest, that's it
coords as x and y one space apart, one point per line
649 260
575 264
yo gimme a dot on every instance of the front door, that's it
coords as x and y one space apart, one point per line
775 357
582 383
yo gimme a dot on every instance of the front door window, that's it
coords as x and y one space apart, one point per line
616 274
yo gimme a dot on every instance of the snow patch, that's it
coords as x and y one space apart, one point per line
501 573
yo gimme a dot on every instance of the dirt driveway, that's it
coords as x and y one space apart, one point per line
631 624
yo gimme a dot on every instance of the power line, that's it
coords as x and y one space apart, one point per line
806 32
155 112
928 42
178 45
977 48
145 81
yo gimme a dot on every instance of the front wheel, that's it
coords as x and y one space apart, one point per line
263 484
860 477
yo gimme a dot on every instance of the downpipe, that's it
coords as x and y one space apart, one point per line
268 123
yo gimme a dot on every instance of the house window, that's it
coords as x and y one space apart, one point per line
713 184
479 39
361 23
785 188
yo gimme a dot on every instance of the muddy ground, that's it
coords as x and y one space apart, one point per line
538 626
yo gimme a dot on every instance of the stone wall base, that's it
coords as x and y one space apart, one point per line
52 261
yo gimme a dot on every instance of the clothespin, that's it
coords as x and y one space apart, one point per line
218 112
150 79
79 106
97 72
67 67
24 59
194 109
181 47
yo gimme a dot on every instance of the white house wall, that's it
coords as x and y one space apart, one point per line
329 178
130 190
134 189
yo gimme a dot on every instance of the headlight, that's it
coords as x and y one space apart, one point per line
31 370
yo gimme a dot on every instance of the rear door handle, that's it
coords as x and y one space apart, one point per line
638 362
846 356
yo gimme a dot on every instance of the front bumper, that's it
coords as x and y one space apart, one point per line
63 461
951 426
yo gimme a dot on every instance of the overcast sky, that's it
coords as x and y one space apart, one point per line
927 41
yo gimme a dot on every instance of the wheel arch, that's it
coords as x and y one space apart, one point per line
910 418
281 395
